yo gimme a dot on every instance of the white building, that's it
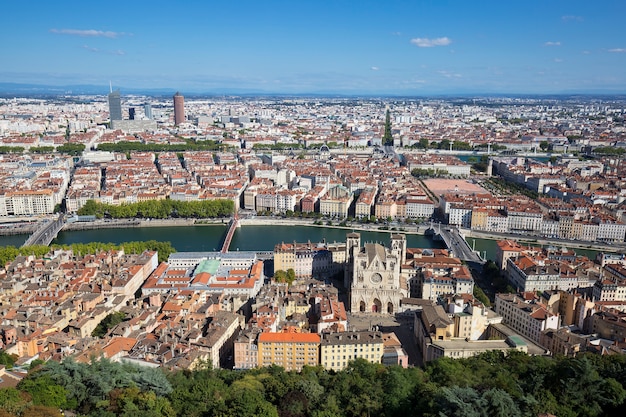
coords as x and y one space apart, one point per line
419 207
528 318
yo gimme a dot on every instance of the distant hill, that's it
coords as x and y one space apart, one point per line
35 90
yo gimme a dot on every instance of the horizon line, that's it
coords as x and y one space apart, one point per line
96 89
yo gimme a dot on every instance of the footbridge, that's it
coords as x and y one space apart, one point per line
46 232
232 226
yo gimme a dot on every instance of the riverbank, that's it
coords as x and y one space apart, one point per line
357 227
125 223
535 240
279 221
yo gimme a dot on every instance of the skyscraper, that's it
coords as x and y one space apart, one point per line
179 108
115 105
147 109
131 113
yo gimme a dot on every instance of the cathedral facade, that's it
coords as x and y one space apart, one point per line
373 274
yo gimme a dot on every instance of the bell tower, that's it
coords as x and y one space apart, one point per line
353 245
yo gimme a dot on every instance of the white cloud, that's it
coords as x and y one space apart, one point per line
88 33
558 60
90 48
618 50
375 68
396 33
557 43
429 43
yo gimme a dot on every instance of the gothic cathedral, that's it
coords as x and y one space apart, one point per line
373 274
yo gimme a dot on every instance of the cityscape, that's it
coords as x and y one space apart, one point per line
517 170
317 210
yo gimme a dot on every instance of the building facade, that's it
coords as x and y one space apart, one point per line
292 351
338 349
528 318
115 106
179 108
375 280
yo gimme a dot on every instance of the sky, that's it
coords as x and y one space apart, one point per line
386 47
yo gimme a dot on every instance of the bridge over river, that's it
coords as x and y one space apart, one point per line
234 224
456 243
46 232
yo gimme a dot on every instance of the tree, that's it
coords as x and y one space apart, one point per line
288 276
73 149
13 401
423 143
422 172
482 164
7 360
108 323
132 402
481 296
44 391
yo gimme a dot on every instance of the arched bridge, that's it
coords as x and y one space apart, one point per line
46 232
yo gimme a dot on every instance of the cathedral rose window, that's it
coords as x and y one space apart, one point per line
376 278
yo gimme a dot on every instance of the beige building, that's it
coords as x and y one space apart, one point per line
432 324
336 201
609 325
219 338
27 202
479 218
309 259
292 351
363 206
505 250
439 334
527 317
386 209
613 286
337 349
460 348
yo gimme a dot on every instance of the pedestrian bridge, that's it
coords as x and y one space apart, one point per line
234 224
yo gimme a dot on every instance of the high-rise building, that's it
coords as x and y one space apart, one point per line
179 108
115 105
147 110
131 113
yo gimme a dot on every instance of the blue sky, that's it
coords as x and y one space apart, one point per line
344 47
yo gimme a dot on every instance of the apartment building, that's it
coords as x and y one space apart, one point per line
292 351
306 259
419 206
338 349
530 273
336 202
528 317
364 203
612 287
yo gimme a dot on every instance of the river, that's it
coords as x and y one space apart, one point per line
247 238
